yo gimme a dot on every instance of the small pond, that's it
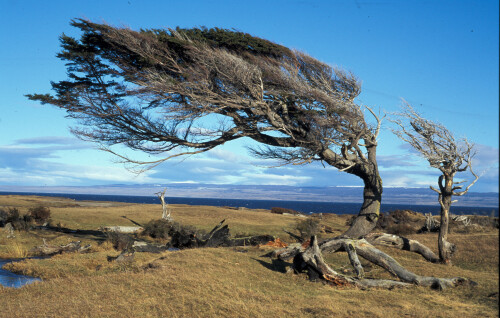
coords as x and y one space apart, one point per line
10 279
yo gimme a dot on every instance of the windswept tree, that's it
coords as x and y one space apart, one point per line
444 152
186 91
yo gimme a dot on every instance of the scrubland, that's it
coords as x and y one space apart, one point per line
224 282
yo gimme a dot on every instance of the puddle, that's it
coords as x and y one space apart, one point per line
9 279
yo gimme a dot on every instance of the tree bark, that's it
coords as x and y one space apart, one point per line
402 243
367 217
446 249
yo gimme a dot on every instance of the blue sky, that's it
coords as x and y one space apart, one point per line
441 56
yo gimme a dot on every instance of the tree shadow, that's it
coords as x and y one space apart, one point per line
276 265
134 222
87 234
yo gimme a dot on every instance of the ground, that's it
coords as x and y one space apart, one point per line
225 282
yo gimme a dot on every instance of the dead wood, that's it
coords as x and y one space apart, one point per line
219 236
402 243
123 258
49 250
310 260
370 253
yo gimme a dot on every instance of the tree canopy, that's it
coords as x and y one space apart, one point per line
153 91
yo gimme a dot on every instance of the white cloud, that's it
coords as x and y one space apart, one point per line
274 179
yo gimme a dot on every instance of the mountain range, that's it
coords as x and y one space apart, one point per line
417 196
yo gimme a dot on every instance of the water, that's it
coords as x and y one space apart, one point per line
301 206
9 279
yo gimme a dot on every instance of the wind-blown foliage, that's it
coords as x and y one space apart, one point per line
185 91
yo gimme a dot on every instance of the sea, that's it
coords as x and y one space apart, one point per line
306 207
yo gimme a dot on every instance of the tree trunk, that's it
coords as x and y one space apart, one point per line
166 214
446 249
367 217
372 195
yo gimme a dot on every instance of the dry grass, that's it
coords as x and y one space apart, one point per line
17 250
234 282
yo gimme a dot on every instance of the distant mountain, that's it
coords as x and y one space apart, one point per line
416 196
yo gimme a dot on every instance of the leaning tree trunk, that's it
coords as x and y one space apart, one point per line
367 217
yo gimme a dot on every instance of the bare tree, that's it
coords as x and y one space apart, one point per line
186 91
166 211
441 149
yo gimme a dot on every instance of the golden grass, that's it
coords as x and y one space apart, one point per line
232 282
16 250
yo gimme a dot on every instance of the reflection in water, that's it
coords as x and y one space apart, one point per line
10 279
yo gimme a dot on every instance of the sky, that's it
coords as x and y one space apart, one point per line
440 56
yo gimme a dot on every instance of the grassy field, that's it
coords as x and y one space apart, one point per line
224 282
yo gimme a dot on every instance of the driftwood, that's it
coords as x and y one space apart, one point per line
49 250
309 259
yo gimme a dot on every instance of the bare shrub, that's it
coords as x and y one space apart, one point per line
4 215
158 229
476 224
486 221
163 229
279 210
120 241
13 216
308 228
400 222
401 229
40 214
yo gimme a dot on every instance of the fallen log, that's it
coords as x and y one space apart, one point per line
309 259
49 250
122 229
312 262
370 253
219 236
402 243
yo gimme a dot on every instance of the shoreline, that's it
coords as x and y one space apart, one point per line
306 207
